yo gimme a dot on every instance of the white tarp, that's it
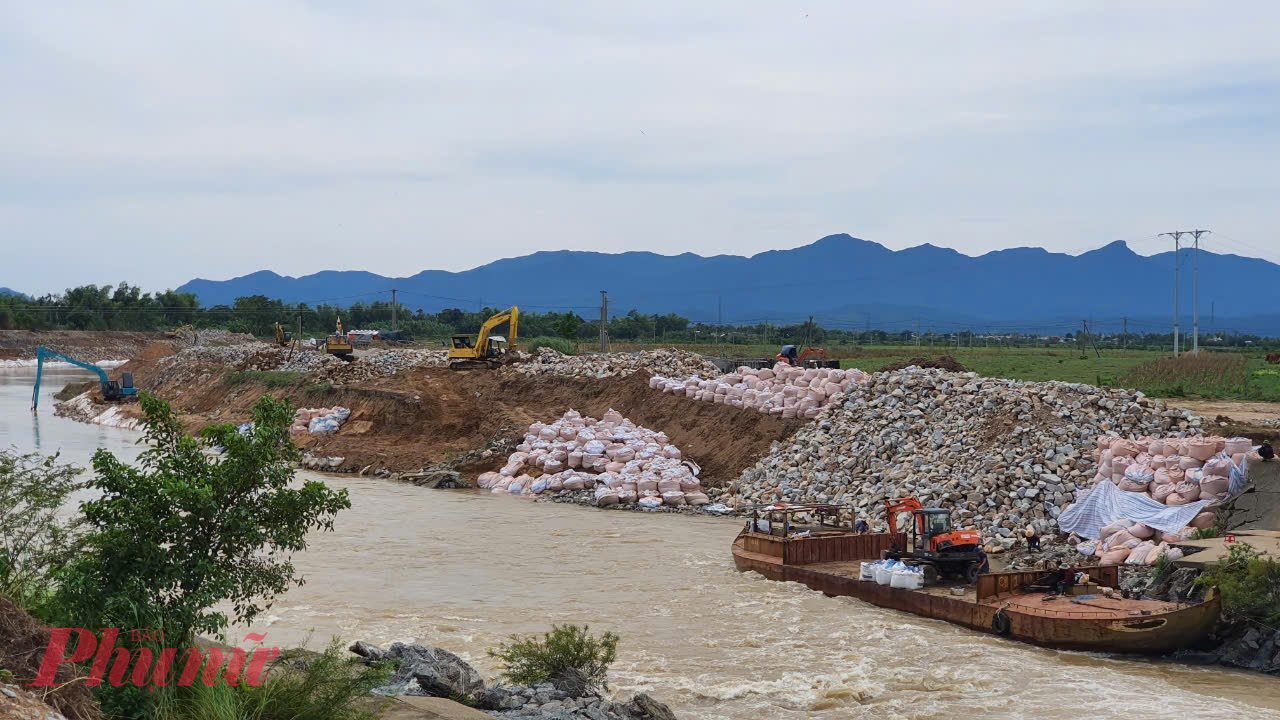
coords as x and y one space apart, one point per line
1107 503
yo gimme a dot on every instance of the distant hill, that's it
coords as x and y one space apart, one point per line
840 280
7 291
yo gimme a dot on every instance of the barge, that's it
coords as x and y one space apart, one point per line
827 556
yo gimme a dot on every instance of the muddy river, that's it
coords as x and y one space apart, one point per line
464 570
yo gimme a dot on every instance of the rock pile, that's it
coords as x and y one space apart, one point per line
668 362
1003 454
783 390
435 672
188 337
368 364
619 461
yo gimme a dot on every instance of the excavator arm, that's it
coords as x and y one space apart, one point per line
43 352
893 507
512 316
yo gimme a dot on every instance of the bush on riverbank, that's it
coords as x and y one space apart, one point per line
1249 583
326 686
529 661
34 541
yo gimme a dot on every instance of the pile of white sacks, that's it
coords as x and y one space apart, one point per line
319 421
619 461
784 390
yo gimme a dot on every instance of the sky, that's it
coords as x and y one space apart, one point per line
156 142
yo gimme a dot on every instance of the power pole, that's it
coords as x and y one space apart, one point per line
917 333
1195 303
1124 338
604 321
394 326
1177 261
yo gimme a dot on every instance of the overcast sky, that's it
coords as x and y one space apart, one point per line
160 141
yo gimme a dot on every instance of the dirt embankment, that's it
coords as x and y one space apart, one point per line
90 346
426 415
23 642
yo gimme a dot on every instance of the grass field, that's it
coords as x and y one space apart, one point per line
1216 375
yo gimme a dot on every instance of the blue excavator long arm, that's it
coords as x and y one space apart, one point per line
45 352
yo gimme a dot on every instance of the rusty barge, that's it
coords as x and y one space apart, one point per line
1016 605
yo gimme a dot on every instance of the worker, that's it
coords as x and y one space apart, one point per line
790 355
1067 580
861 526
984 565
1033 540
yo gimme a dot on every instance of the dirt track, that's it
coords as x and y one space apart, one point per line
426 415
82 345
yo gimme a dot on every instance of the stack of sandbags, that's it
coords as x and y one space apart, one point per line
319 421
783 390
1130 543
619 461
1175 471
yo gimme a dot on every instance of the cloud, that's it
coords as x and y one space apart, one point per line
155 141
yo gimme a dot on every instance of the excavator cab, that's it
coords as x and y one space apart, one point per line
935 543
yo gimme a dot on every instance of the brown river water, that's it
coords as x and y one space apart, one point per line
464 570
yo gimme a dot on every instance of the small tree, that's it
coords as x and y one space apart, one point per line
529 661
34 541
567 326
183 531
1249 583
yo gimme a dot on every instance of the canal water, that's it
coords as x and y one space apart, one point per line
465 570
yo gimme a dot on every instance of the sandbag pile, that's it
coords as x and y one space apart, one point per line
1133 543
319 421
666 361
1002 454
617 460
1175 471
783 390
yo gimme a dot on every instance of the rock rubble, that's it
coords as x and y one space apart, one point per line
369 364
668 362
1003 454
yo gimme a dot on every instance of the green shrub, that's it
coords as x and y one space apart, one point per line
328 686
319 389
529 661
34 541
558 344
1205 533
1249 583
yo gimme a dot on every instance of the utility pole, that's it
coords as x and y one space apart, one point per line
1195 303
394 326
1177 261
917 332
1124 338
1084 330
604 321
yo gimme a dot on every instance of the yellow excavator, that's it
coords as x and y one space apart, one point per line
485 350
339 345
283 337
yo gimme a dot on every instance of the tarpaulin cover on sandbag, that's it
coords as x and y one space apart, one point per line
1107 503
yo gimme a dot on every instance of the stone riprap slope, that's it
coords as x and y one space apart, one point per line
1003 454
668 362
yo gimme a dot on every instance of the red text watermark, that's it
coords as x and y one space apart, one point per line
143 667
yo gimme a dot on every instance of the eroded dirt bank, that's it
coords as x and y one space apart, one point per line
425 415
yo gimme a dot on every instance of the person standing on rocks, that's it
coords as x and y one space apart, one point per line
1033 540
861 526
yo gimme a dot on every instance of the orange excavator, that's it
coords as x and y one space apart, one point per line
811 357
936 546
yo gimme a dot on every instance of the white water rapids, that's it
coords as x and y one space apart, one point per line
464 570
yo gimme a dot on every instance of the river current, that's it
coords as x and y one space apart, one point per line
464 570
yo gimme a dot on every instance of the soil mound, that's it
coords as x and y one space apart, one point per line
23 641
942 362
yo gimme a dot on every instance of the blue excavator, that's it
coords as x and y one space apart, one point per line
112 390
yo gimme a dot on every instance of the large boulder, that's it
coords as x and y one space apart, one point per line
436 672
644 707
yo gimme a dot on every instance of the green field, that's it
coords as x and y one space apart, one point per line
1212 375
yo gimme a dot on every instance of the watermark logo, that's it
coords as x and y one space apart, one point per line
144 668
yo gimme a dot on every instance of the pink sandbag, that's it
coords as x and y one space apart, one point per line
1138 555
1120 538
1201 449
614 467
1104 441
1124 448
696 498
1156 447
1238 445
1174 499
1157 463
1153 557
647 485
1220 466
1204 520
1114 557
574 483
1188 488
1177 474
1252 456
1140 531
1129 485
690 484
666 486
1161 477
1215 499
1187 462
1172 537
555 484
1160 492
487 480
674 499
1115 527
1215 484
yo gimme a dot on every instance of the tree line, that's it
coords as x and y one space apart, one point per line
126 307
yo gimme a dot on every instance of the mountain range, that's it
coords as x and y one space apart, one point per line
840 280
